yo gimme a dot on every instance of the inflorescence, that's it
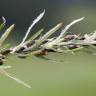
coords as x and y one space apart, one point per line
42 45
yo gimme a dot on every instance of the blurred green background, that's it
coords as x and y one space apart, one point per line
65 74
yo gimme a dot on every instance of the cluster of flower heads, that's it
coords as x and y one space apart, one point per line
42 45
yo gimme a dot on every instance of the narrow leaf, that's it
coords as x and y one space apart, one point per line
14 78
3 24
68 26
32 25
49 33
35 36
42 39
6 34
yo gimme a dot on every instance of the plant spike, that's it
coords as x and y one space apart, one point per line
16 48
43 38
28 31
63 43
